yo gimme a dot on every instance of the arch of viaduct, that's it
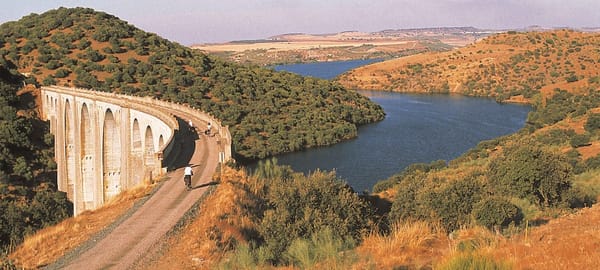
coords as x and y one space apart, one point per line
106 143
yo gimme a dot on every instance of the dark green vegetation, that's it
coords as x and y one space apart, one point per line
298 215
268 112
28 199
493 184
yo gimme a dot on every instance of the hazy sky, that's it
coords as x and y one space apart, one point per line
201 21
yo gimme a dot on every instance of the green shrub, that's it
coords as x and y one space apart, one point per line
453 203
555 136
473 261
384 185
579 140
592 163
62 73
579 197
593 123
572 78
496 213
302 206
49 80
324 245
439 200
527 171
406 205
409 170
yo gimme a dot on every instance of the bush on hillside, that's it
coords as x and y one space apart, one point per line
410 169
556 109
579 140
555 136
593 123
448 202
496 213
304 205
452 204
406 204
527 171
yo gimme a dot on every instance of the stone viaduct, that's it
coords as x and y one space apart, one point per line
106 143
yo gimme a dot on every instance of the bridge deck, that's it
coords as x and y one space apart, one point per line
131 239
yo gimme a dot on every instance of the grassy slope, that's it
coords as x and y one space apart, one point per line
503 66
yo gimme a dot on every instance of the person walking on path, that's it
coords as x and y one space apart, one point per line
187 176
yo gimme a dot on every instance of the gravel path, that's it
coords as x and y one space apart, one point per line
131 237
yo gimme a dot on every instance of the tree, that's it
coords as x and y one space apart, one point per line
496 213
531 172
452 203
593 123
406 204
303 206
62 73
579 140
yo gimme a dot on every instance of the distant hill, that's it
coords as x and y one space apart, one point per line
269 112
509 65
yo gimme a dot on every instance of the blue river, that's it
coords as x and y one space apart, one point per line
417 128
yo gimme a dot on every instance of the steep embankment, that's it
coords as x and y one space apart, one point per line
268 112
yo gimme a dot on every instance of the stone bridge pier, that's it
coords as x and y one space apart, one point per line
104 143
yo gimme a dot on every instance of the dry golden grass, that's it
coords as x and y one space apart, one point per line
466 245
412 244
222 217
49 244
570 242
293 45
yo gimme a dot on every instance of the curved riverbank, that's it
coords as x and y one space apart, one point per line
417 128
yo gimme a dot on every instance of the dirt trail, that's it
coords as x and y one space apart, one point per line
131 239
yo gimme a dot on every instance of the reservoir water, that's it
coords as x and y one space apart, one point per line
417 128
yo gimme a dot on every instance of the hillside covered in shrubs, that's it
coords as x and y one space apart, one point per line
29 200
268 112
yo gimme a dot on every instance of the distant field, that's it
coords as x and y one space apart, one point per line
297 48
295 45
